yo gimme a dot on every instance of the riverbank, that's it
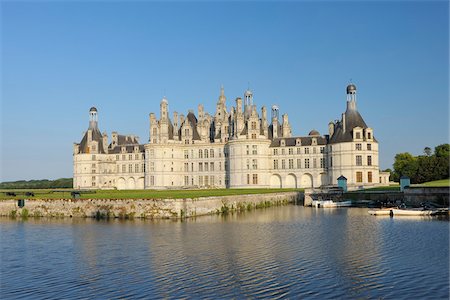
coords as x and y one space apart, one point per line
145 208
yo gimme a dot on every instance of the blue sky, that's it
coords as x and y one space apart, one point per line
60 58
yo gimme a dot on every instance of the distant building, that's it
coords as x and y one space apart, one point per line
235 148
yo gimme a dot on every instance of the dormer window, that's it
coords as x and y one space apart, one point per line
298 142
282 143
123 150
314 141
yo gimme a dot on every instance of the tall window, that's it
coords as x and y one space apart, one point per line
211 153
369 135
200 153
255 178
369 160
291 151
124 168
369 176
314 163
186 180
130 168
358 147
186 167
200 167
299 150
136 168
248 149
283 164
248 164
291 163
254 164
254 149
275 151
358 160
186 154
253 125
306 163
275 164
253 136
358 135
299 163
306 150
206 153
152 180
322 165
248 178
206 167
359 177
211 166
322 149
369 147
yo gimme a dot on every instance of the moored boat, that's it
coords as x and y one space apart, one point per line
412 212
330 203
380 212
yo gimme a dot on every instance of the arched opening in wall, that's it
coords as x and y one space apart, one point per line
140 183
323 179
131 184
291 181
275 181
306 181
121 185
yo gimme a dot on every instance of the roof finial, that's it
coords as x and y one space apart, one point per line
222 91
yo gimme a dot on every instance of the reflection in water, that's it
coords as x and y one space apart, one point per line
274 253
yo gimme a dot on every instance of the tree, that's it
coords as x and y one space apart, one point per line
405 165
442 150
427 151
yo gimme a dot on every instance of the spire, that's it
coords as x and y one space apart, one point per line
222 97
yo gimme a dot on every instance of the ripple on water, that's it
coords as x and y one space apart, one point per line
286 252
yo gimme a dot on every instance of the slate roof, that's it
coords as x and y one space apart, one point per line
96 136
128 148
193 120
352 119
292 141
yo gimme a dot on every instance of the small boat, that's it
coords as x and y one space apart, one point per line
412 212
380 212
330 203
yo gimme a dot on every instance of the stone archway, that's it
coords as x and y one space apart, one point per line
121 184
140 183
306 181
291 181
275 181
131 184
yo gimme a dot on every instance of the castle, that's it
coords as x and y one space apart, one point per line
235 148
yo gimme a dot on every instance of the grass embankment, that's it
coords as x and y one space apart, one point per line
396 187
436 183
139 194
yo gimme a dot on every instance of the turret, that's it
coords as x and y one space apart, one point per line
105 141
275 112
331 128
286 127
93 118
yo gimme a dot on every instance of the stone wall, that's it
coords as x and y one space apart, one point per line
416 195
144 208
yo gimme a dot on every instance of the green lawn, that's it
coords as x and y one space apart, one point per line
436 183
140 194
390 188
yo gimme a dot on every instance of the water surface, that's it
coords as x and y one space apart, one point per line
281 252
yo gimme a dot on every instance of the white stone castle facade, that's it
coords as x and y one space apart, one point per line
234 148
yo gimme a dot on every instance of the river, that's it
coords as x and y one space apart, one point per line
280 252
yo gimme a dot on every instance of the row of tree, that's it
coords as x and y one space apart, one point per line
38 184
422 168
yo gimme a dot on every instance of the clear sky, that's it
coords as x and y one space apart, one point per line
60 58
